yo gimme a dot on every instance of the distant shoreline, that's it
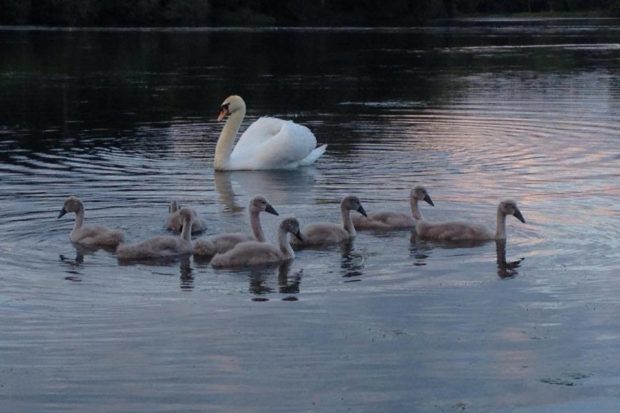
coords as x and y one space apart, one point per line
520 18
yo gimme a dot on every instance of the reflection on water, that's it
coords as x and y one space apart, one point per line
283 187
505 269
474 112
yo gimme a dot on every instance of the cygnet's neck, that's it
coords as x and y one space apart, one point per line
79 219
226 141
257 229
415 211
285 246
186 233
500 232
347 222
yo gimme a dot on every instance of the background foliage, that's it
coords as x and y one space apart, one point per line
273 12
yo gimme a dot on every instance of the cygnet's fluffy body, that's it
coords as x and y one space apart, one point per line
252 253
175 222
89 235
326 233
387 220
220 243
164 246
465 231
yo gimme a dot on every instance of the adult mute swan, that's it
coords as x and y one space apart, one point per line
268 143
326 233
387 220
89 235
466 231
163 246
251 253
223 242
174 222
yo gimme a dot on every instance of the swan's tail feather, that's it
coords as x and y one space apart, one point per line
313 156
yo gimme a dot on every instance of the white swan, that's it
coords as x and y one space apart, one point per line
268 143
466 231
325 233
164 246
175 224
223 242
251 253
387 220
89 235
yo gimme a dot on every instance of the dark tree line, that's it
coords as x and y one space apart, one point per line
272 12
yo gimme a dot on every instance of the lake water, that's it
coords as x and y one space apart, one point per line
477 111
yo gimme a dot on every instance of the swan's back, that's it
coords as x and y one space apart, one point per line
203 248
321 233
383 221
248 253
224 242
157 247
93 235
271 142
175 222
453 231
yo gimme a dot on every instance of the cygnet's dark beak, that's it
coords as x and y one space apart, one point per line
519 216
428 200
361 211
298 235
63 211
271 210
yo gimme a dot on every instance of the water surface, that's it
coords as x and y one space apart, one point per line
477 112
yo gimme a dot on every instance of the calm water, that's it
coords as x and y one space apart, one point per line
476 112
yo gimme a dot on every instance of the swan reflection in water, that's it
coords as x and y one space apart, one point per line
260 279
421 249
352 262
186 272
505 269
74 264
281 187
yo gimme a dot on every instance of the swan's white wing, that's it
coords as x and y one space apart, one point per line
273 143
313 156
257 134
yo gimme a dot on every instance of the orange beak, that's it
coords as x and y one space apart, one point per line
223 113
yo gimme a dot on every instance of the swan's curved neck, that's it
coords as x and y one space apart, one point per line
79 219
257 229
226 141
284 245
347 222
415 211
500 232
186 233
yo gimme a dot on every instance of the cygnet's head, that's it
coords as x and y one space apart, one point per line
509 207
352 203
419 193
231 105
174 206
259 204
186 215
291 225
72 204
